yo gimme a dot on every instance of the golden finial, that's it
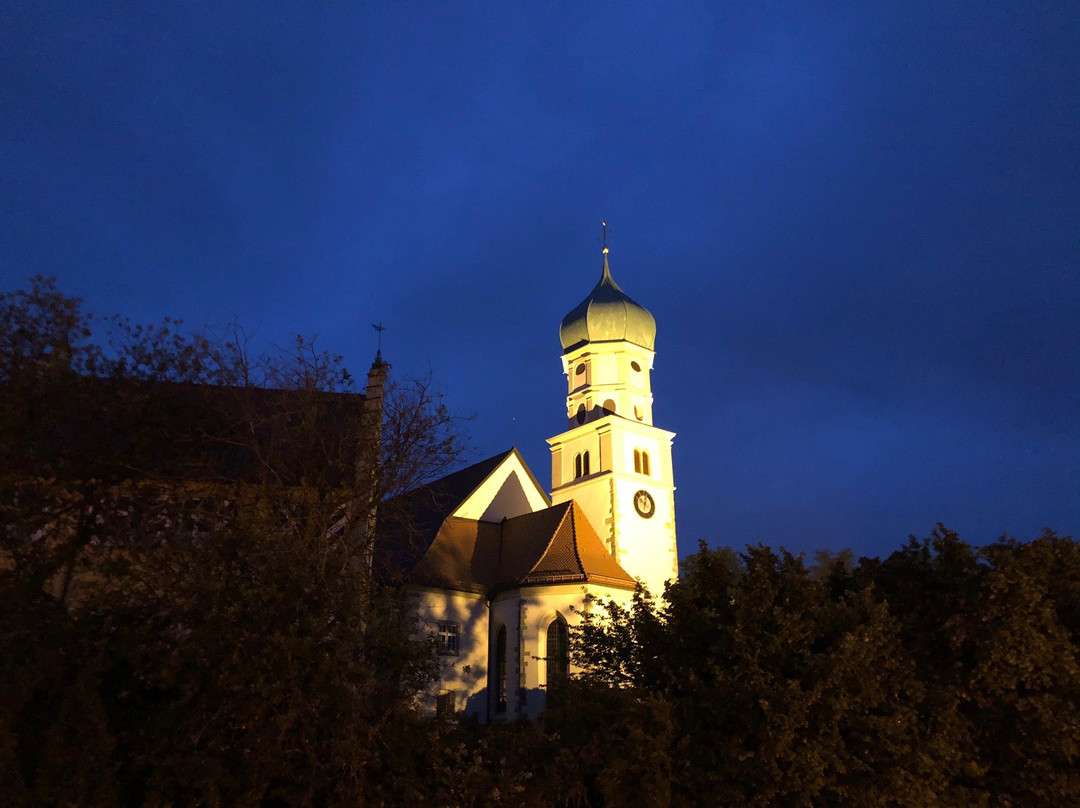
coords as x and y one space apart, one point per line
603 236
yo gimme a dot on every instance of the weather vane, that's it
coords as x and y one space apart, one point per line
603 236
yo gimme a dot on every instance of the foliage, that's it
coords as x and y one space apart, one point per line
186 617
184 565
943 675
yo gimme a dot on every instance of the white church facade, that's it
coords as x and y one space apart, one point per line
499 568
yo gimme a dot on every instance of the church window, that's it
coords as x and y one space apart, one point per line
448 638
639 412
609 406
577 465
500 670
580 370
581 413
641 462
636 367
584 464
558 656
445 703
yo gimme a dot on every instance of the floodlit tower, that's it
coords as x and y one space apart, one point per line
611 460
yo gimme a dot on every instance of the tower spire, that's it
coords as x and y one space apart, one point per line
603 238
379 327
612 460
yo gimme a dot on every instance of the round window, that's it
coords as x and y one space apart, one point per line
636 367
579 369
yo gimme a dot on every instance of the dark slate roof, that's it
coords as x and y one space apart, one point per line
113 429
409 523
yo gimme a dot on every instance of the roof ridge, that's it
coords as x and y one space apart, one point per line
497 458
551 540
573 535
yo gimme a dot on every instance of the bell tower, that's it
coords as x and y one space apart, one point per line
611 460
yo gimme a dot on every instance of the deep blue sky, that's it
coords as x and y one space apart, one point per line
857 225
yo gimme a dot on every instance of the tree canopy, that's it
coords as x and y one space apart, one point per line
943 675
188 615
187 618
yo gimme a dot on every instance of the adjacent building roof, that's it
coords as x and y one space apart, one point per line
85 427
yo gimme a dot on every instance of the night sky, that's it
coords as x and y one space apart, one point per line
857 225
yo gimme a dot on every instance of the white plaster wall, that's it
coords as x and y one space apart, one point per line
593 497
536 607
526 614
657 442
506 612
647 548
609 375
508 491
467 672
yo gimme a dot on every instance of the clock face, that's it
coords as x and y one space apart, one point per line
644 505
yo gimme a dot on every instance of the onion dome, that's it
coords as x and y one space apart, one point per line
607 315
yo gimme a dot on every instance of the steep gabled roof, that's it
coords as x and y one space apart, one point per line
551 545
411 524
459 557
575 553
524 541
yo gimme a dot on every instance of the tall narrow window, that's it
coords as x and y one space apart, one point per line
445 703
577 465
584 464
637 461
500 670
558 657
645 463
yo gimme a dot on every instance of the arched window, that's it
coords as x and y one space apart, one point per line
577 465
581 412
609 406
585 464
558 657
500 670
637 461
645 463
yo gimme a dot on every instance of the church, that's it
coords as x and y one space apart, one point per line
499 568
